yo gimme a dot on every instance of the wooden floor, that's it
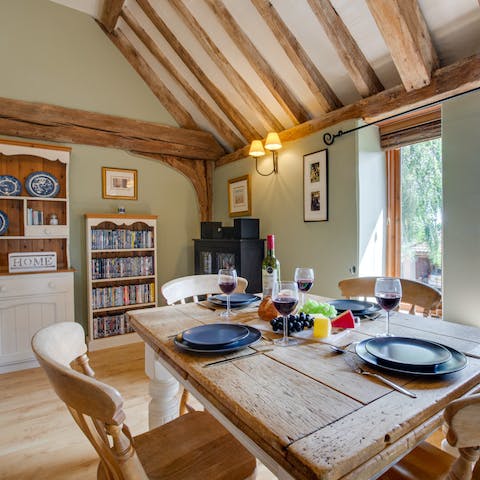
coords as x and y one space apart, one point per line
40 440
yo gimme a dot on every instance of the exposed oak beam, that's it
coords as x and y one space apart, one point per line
159 89
360 71
240 122
240 85
61 124
405 32
458 78
110 13
272 81
222 128
324 95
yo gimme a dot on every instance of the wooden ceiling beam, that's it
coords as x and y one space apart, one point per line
360 71
458 78
159 89
110 13
233 114
240 85
284 96
405 32
222 128
60 124
298 56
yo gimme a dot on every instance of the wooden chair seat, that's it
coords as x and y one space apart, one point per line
193 446
415 293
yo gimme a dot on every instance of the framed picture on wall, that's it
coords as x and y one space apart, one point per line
315 186
239 197
119 183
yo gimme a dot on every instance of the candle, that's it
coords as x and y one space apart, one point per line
321 327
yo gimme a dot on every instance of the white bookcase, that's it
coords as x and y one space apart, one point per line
121 274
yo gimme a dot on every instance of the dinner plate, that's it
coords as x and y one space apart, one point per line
215 334
457 362
408 351
10 185
42 184
235 299
357 307
253 336
3 222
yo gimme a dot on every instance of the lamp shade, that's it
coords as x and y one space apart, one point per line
273 141
256 149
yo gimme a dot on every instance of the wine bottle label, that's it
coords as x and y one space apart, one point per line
269 276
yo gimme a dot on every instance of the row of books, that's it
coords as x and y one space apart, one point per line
34 217
110 325
121 239
104 268
123 295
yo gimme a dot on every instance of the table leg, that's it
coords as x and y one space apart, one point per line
163 389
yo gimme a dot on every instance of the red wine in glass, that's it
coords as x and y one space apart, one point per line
388 301
227 287
304 285
227 282
388 292
285 299
304 277
285 305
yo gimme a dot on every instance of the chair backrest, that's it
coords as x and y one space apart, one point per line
96 407
183 288
413 292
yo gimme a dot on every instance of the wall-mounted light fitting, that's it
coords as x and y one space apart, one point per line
272 143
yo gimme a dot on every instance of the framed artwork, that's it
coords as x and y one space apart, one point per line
239 197
119 183
315 186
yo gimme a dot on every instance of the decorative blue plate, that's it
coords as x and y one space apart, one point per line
3 222
253 336
215 334
10 185
235 299
42 184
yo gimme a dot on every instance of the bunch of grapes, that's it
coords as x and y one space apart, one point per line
296 323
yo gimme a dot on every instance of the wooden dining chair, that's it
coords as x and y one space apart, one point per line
415 293
181 289
427 462
193 446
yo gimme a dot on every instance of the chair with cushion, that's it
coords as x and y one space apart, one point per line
427 462
181 289
415 293
193 446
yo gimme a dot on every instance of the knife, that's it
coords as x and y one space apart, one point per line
226 360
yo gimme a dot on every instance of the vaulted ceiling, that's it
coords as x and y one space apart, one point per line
241 68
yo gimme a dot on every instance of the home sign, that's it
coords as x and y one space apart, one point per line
32 262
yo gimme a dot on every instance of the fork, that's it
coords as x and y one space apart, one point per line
385 381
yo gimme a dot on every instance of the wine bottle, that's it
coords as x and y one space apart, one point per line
270 268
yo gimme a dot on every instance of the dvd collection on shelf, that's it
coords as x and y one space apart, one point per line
124 295
106 268
121 239
109 325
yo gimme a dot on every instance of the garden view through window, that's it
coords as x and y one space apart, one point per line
421 212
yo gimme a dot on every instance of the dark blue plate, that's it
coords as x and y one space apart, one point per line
10 185
3 222
253 336
458 361
235 299
42 184
357 307
215 334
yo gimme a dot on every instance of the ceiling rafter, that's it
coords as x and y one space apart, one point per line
223 130
360 71
240 122
242 87
284 96
110 13
324 95
405 32
159 89
460 77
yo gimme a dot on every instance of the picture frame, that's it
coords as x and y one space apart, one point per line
119 183
315 186
239 197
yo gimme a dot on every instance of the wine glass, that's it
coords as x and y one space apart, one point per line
304 278
388 292
285 299
227 281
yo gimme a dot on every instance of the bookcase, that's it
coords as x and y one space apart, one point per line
121 274
33 178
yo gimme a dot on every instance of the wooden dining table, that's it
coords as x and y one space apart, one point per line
303 410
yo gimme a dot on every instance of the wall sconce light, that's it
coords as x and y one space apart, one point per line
272 143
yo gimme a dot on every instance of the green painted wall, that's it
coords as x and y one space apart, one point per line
52 54
461 173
